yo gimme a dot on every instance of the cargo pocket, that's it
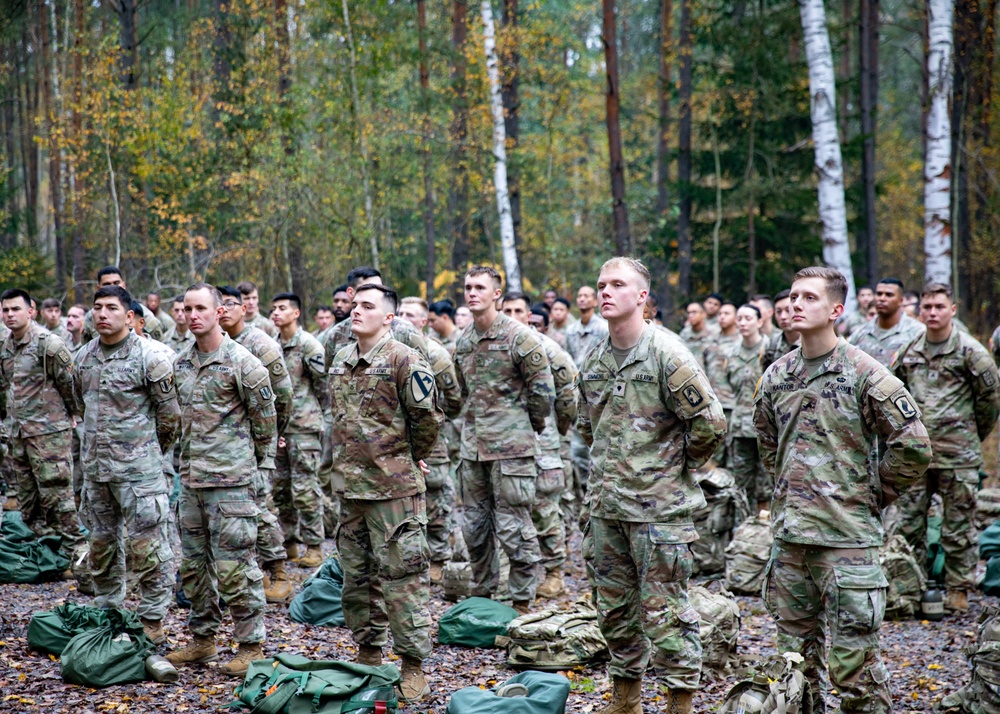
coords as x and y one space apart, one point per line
437 476
151 505
408 552
668 558
861 591
549 481
517 482
237 524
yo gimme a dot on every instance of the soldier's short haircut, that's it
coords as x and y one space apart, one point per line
230 291
290 297
14 293
781 295
563 300
340 289
631 263
51 302
179 299
108 270
910 294
541 306
717 296
748 306
836 283
78 306
137 309
477 270
212 290
360 275
936 289
246 287
761 297
536 310
727 302
893 281
418 301
443 308
324 308
517 295
695 304
389 297
119 293
153 292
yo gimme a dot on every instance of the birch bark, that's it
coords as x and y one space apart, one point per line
937 166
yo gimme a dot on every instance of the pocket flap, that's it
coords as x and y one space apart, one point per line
238 509
672 533
860 577
518 467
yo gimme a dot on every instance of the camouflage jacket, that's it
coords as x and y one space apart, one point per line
581 339
563 416
386 418
264 323
269 353
558 334
323 335
696 342
310 393
958 393
154 328
176 341
36 383
165 318
62 333
131 417
743 369
995 345
402 331
228 417
508 390
851 323
715 367
449 395
883 344
777 347
842 445
650 424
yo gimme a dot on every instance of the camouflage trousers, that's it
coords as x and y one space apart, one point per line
547 516
744 463
497 498
808 590
640 574
140 510
331 483
270 536
575 494
383 550
219 533
440 507
959 539
296 489
43 469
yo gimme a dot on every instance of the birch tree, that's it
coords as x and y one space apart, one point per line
510 262
937 166
829 164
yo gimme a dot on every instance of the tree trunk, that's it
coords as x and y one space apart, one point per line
619 209
663 94
937 168
425 91
49 112
29 150
8 238
510 261
510 63
684 154
79 255
843 81
829 164
128 41
283 51
458 192
868 60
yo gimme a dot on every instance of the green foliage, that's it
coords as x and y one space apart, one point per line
24 268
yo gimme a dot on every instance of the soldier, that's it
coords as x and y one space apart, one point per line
110 275
648 412
251 301
131 418
324 320
891 330
228 421
954 382
440 487
180 336
712 304
386 422
911 304
852 322
463 317
508 391
296 478
819 411
766 307
271 553
546 513
36 395
341 304
153 304
560 320
441 316
696 333
74 325
53 319
590 330
784 339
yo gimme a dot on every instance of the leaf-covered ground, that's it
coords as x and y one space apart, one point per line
926 660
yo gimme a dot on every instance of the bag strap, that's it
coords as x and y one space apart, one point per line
280 689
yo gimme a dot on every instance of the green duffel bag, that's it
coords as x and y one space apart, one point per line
35 561
113 654
989 542
292 684
13 528
991 583
51 631
546 694
476 622
319 603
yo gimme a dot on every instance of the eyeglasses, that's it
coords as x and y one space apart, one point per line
231 305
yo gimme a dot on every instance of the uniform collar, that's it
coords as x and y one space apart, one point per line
294 340
494 330
202 359
370 355
833 363
639 353
950 345
120 353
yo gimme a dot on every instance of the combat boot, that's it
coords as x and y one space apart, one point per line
523 607
626 698
552 586
292 551
370 655
437 572
154 630
199 651
413 686
278 588
238 665
958 601
313 557
679 701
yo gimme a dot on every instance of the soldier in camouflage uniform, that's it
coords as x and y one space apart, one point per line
154 306
271 553
178 337
131 418
647 409
508 390
36 395
824 414
954 382
546 514
849 324
229 422
891 330
714 355
251 301
784 339
110 275
331 501
386 420
697 333
296 480
441 316
53 319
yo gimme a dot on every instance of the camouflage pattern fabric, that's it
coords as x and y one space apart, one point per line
264 323
547 517
884 344
742 367
778 345
402 331
714 355
270 535
176 341
851 323
268 351
696 342
995 345
581 339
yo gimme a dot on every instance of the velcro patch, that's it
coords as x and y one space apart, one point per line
338 370
693 395
266 394
166 385
536 358
496 347
595 376
643 377
421 386
378 370
904 406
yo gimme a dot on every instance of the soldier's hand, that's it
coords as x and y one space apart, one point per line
538 425
281 442
424 468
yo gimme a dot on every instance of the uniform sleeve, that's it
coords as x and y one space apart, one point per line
415 384
59 363
315 373
529 357
160 383
281 385
690 397
897 423
766 426
985 391
583 423
448 389
564 379
260 407
77 383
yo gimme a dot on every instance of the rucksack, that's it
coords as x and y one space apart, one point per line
720 626
777 686
555 640
726 506
35 561
112 654
906 578
982 694
476 622
50 631
987 507
13 528
320 602
747 555
456 580
547 694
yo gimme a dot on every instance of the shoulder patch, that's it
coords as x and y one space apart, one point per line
905 407
278 367
693 395
266 394
166 385
536 358
64 356
421 385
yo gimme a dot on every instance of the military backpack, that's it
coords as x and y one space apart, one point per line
726 506
553 640
776 686
906 578
720 626
982 694
747 555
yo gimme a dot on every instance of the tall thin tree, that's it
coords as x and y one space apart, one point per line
868 35
510 63
619 209
425 96
937 167
684 152
458 191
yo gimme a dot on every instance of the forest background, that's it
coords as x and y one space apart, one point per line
286 141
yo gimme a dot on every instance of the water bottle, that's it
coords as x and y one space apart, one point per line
160 669
932 603
752 700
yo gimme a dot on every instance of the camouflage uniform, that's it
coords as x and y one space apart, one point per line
508 390
714 355
264 323
850 324
558 334
270 535
165 319
296 480
62 333
385 419
74 350
229 422
821 437
742 366
331 500
778 346
696 342
955 386
580 340
883 344
36 395
131 418
650 422
995 346
176 341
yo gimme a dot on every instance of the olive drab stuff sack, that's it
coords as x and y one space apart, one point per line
776 686
906 579
13 528
726 507
987 508
982 694
319 603
525 693
747 555
476 622
114 653
51 631
555 640
720 626
935 552
35 561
